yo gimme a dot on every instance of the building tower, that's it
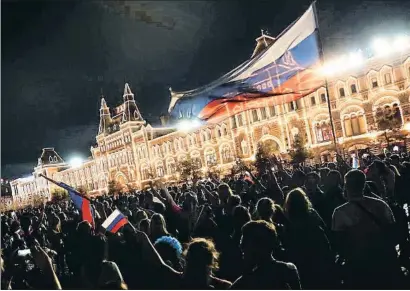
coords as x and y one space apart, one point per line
262 43
131 112
105 117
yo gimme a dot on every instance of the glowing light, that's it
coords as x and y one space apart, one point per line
395 149
355 59
187 124
401 42
253 158
381 47
407 126
76 162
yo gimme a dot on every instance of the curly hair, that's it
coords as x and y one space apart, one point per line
201 252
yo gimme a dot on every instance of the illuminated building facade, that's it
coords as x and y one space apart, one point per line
130 151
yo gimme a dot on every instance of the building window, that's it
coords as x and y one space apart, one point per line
263 113
353 89
210 158
323 132
160 171
145 173
387 78
323 98
272 111
374 83
255 116
342 92
292 106
354 125
240 120
312 100
224 130
226 154
233 122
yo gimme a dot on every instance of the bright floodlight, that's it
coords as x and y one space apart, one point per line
381 47
76 162
187 124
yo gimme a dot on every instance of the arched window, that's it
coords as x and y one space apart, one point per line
160 170
145 172
272 111
323 131
224 130
210 157
354 124
342 92
208 134
263 113
387 78
353 88
323 98
226 154
171 168
240 119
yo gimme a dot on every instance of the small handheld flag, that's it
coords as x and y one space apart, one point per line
80 201
115 221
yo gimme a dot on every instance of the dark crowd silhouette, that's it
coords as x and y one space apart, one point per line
325 226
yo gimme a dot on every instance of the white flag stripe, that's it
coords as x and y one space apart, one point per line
304 27
111 218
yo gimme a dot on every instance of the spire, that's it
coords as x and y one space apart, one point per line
105 117
262 43
131 111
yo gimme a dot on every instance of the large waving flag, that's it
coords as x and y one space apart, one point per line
285 71
115 221
80 201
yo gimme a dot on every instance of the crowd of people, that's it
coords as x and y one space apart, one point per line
326 226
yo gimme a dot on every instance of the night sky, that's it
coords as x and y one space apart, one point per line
57 56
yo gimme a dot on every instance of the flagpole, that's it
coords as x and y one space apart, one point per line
321 57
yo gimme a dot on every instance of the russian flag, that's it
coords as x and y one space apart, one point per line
286 71
115 221
81 203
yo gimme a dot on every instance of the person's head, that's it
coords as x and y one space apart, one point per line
331 166
55 223
25 222
149 197
333 179
170 250
158 225
265 209
298 178
201 257
240 216
84 229
159 207
354 184
224 192
312 181
144 225
234 201
190 202
258 241
297 204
